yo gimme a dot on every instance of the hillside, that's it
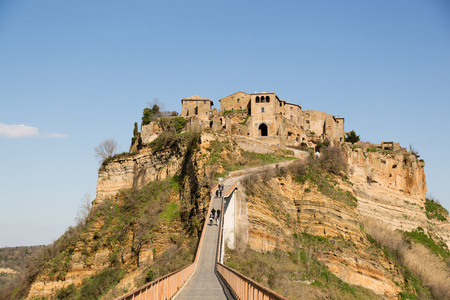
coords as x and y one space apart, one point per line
351 224
145 221
315 218
13 262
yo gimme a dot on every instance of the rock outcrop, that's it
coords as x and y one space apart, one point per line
137 170
279 207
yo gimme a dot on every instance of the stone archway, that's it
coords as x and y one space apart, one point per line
263 130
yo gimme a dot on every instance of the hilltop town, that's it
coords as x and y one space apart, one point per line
265 115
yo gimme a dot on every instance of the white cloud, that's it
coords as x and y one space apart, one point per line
25 131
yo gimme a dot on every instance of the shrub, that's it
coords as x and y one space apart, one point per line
418 235
178 123
332 159
97 285
150 114
435 211
351 137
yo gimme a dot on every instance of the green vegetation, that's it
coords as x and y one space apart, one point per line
170 135
178 123
435 211
228 113
15 259
225 154
297 273
171 260
351 137
135 133
316 171
150 114
425 275
418 235
93 287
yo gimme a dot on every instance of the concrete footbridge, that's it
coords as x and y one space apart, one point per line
207 277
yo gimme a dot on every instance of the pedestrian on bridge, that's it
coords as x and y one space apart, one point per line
218 217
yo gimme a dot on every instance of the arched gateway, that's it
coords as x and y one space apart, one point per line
263 130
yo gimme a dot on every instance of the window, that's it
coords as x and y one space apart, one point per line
307 121
257 99
204 102
281 103
238 100
267 99
262 109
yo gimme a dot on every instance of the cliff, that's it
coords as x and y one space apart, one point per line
382 185
390 186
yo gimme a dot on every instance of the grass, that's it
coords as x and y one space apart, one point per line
418 235
296 273
425 274
93 287
324 185
231 158
435 211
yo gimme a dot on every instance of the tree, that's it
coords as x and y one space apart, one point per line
352 137
106 149
85 209
151 114
135 130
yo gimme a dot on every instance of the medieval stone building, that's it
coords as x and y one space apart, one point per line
265 115
196 106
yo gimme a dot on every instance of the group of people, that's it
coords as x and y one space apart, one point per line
219 190
214 217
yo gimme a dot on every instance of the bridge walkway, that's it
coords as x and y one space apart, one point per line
204 283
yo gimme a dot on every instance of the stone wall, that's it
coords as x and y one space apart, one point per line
236 101
196 106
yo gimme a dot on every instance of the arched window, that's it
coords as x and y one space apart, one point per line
263 130
267 99
257 99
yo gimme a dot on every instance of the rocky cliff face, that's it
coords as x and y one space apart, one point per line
281 206
391 187
137 170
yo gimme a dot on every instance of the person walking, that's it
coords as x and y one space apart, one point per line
218 217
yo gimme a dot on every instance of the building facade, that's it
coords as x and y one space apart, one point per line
196 106
265 114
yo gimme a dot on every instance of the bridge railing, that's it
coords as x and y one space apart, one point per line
162 288
167 286
241 286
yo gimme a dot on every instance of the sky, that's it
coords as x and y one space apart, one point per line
74 73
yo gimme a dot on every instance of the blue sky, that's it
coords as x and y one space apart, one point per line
74 73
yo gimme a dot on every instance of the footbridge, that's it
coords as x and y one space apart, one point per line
207 277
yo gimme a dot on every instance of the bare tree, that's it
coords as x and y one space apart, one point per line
105 150
85 209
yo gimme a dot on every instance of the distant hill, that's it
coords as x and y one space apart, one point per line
13 261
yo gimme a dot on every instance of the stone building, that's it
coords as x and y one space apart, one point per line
265 115
236 101
196 106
